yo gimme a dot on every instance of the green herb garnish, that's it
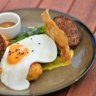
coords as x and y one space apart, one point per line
31 31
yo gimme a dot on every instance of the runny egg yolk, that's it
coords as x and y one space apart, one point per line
16 53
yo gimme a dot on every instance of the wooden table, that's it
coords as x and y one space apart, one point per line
85 10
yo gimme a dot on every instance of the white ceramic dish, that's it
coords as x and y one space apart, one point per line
13 31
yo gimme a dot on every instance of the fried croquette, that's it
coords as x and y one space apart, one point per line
57 35
70 29
3 45
34 72
0 70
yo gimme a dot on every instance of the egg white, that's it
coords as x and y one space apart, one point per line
14 76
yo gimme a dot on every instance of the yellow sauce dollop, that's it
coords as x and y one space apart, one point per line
59 62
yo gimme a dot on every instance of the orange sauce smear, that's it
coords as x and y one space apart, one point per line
7 24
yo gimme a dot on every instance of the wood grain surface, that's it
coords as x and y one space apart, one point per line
85 10
61 5
17 4
3 4
86 86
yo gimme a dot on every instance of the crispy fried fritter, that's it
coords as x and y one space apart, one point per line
57 35
34 72
3 45
1 70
